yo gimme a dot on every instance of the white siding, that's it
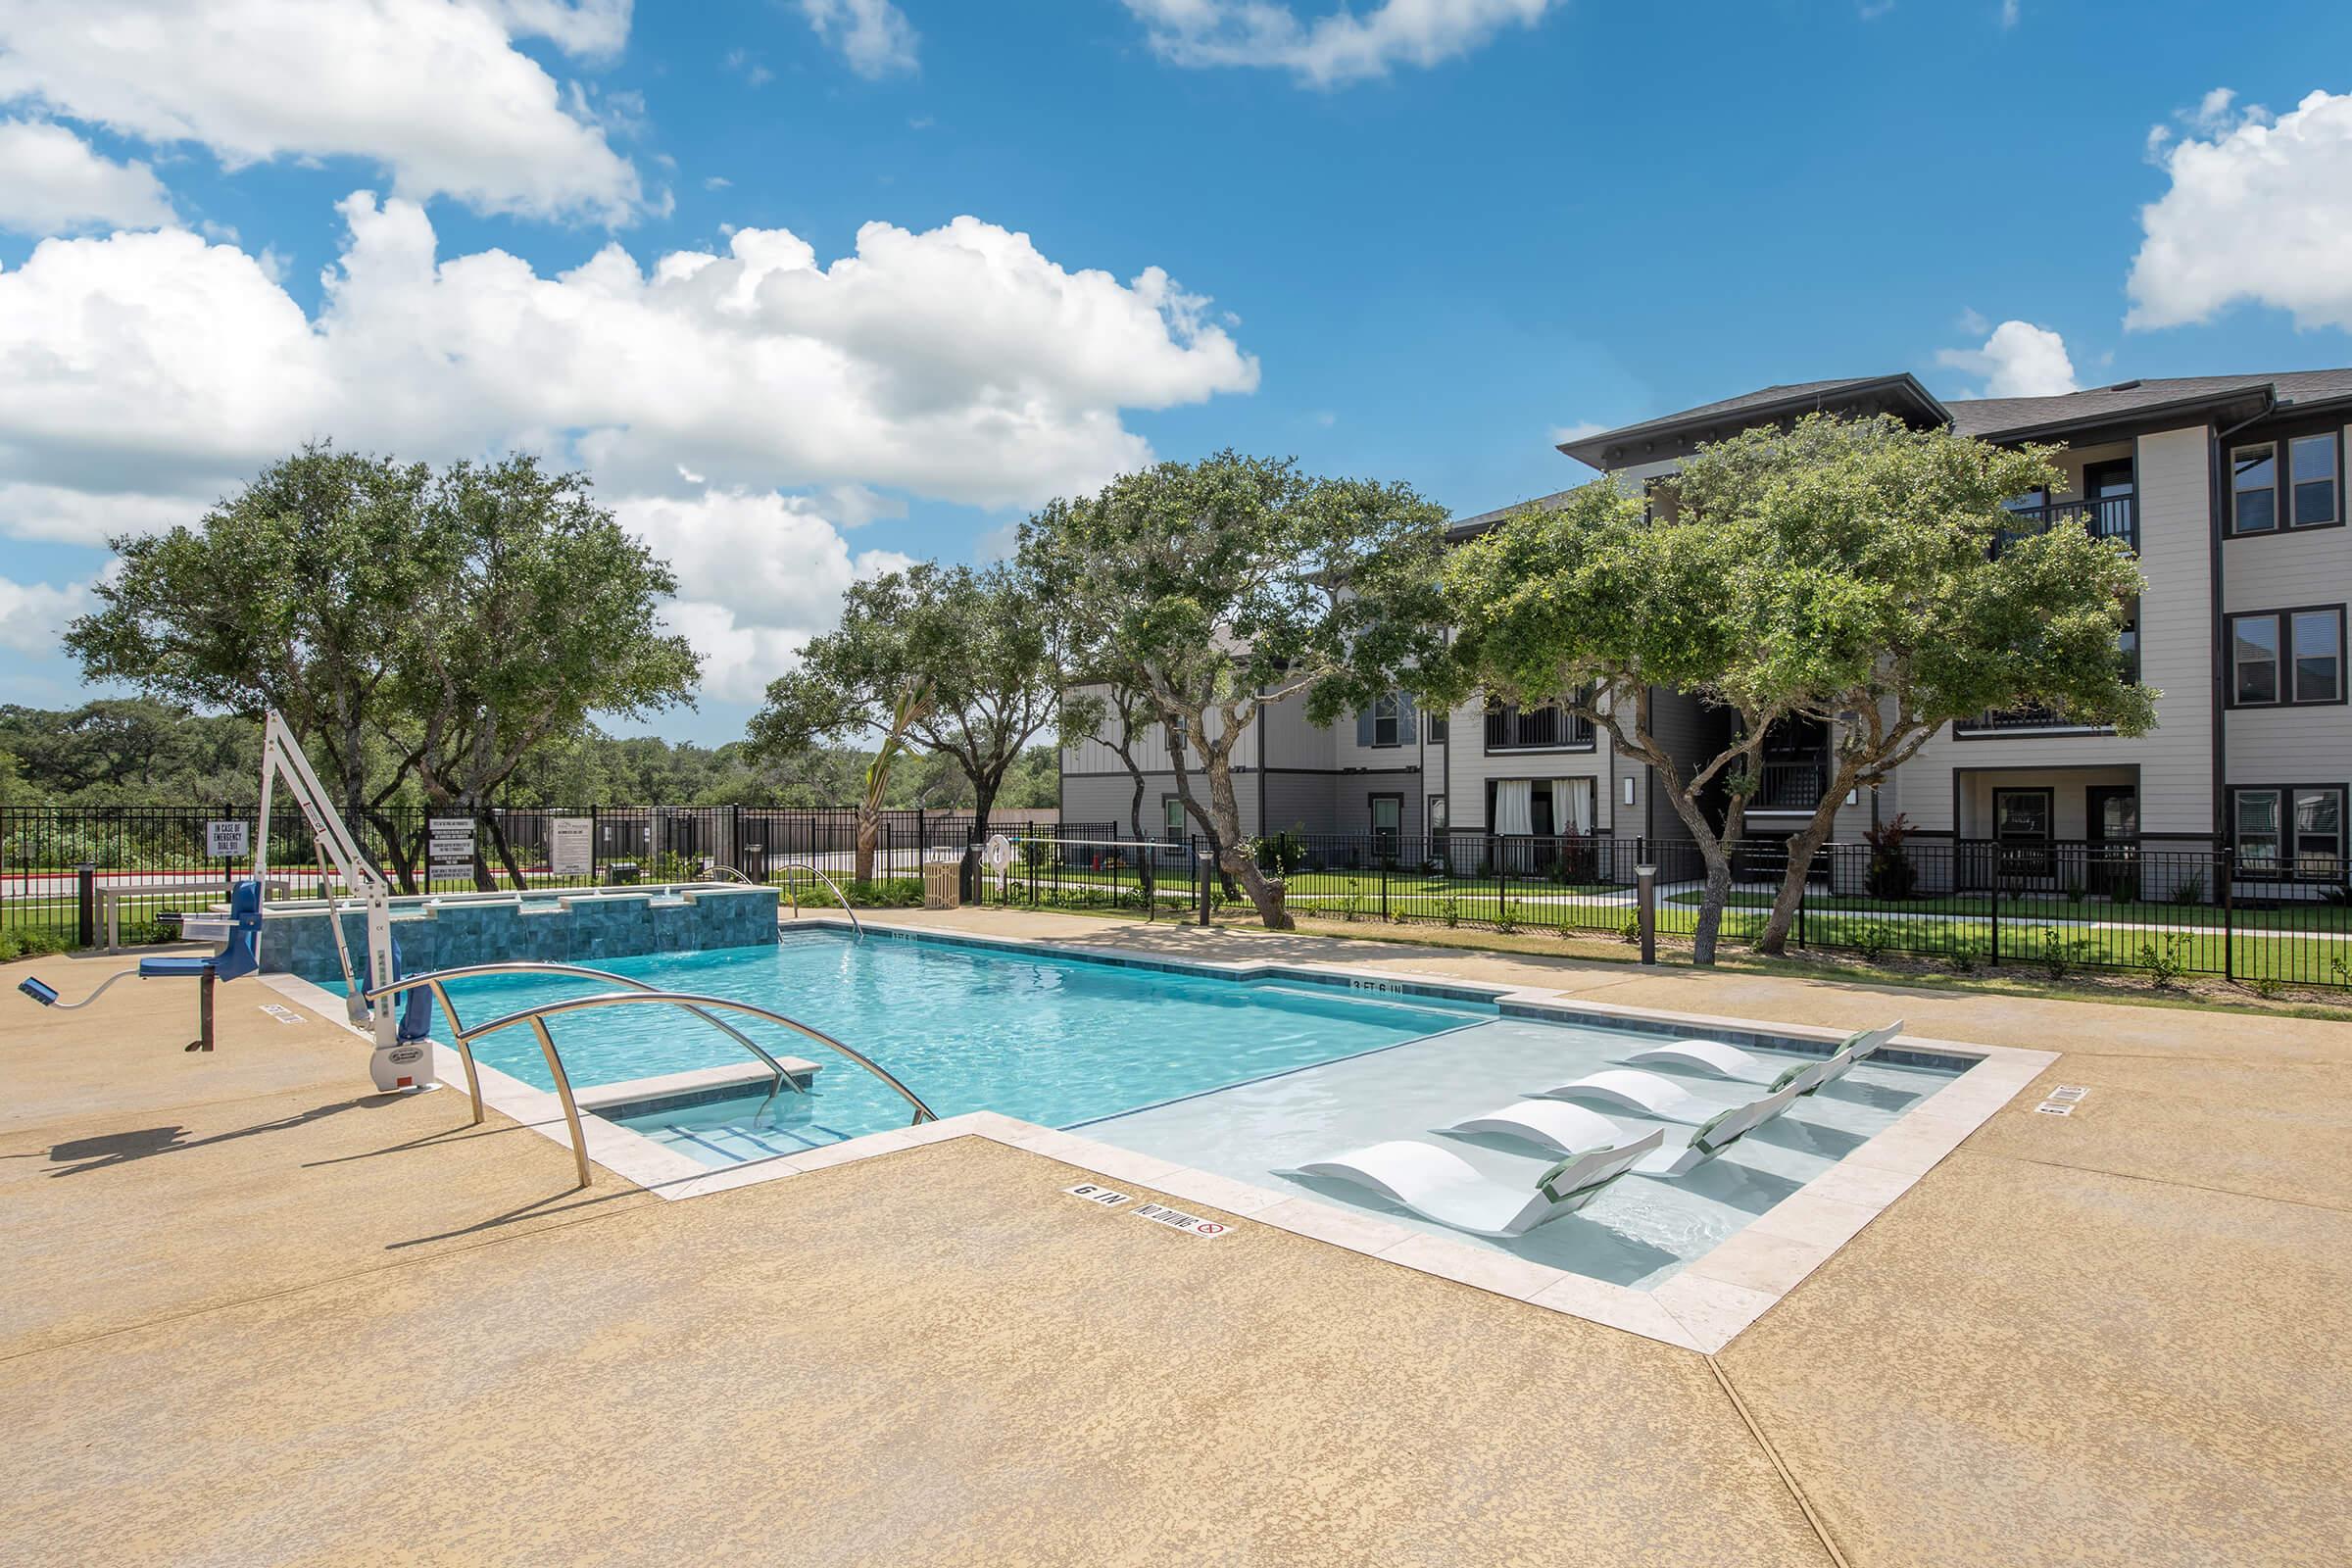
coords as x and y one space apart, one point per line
2176 639
1093 756
1469 769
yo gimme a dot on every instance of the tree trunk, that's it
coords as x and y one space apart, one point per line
869 831
1804 845
984 796
1266 893
506 849
1135 821
1201 818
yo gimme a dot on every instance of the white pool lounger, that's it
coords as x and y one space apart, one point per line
1718 1060
1439 1184
1652 1096
1561 1126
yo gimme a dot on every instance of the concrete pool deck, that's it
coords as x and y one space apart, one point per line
256 1314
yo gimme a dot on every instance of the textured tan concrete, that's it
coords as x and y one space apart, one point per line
2023 1364
125 1051
128 1218
2123 1336
933 1357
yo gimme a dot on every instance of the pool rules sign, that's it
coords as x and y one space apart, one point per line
449 848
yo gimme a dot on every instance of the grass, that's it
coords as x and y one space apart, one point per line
2315 917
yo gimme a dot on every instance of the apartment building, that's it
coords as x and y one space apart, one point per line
2231 489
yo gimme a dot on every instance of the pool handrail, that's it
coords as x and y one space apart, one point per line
794 892
462 1038
537 1017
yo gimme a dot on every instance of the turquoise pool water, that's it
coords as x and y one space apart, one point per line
1049 1040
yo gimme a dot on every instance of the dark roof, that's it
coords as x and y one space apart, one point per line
1755 408
2000 417
1464 527
2016 416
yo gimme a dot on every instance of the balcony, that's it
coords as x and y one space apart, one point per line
2034 717
2101 516
1790 784
1537 729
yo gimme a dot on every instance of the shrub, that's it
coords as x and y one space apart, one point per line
2073 890
2166 961
1629 932
1508 921
1890 874
1449 911
2060 957
1280 853
2190 889
33 942
1964 957
1873 937
886 892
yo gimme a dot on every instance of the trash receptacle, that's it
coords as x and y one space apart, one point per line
620 873
943 884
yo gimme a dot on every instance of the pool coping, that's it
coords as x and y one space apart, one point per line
1702 1306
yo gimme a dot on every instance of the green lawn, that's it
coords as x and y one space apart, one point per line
2315 917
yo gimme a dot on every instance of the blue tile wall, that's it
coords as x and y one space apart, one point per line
549 930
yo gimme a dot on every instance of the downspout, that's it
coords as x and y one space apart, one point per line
2217 454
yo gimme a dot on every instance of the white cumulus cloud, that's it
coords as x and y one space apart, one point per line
873 36
144 373
435 91
1337 47
52 181
2018 360
759 574
2259 210
34 616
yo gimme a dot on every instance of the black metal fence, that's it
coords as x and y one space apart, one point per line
156 859
2165 909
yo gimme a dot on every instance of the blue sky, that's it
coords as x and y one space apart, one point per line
1425 250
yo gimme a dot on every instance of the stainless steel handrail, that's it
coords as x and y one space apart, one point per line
537 1019
790 866
462 1037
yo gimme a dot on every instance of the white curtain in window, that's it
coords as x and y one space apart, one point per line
1514 806
1572 806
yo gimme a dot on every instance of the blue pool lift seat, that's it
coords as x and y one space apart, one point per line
241 954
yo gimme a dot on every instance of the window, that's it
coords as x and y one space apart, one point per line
1388 819
1172 818
2287 657
1437 728
1436 816
2317 637
2021 826
2295 829
2311 465
1388 721
2127 640
2254 489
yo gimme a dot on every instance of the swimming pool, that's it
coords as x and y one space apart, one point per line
1049 1040
1245 1078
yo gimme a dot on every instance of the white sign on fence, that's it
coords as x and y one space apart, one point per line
449 848
229 841
570 846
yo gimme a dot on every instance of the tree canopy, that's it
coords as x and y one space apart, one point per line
1854 572
1214 588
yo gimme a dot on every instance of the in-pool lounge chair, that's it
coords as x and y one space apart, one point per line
1718 1060
1564 1127
1439 1184
1667 1100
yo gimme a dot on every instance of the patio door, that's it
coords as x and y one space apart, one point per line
2022 830
2112 827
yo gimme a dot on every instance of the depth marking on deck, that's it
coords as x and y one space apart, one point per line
2063 1100
281 1014
1094 1193
1178 1219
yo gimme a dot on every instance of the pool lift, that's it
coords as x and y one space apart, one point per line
399 1033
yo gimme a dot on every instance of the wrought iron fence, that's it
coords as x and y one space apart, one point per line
157 858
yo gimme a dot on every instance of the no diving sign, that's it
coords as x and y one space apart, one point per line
1178 1219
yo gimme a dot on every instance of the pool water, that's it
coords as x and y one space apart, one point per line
1049 1040
1248 1079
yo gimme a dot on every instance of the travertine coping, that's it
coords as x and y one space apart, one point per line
1701 1307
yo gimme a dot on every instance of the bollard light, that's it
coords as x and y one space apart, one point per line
1645 884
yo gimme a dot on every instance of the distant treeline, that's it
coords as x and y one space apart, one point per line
136 751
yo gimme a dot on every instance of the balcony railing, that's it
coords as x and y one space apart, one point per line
1510 729
1790 786
2101 516
2031 717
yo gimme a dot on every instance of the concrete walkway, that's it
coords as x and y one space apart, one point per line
258 1315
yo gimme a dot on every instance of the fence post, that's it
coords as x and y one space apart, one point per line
1384 885
85 889
1645 884
1200 879
1502 879
596 847
1802 888
1995 961
2225 863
